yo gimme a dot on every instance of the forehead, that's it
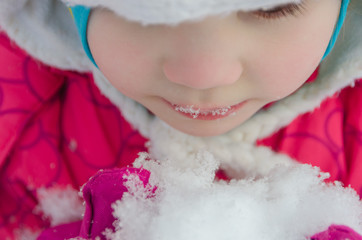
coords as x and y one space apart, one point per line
176 11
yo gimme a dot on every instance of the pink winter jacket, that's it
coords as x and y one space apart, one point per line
57 129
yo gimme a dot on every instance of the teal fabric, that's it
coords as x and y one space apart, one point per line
81 15
342 17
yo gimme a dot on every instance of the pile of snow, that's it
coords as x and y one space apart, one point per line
290 202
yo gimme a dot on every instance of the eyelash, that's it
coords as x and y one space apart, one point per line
282 11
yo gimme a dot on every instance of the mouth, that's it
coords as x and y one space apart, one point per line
196 112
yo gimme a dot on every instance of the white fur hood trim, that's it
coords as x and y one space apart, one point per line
176 11
45 29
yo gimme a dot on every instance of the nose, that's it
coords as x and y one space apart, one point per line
202 71
203 54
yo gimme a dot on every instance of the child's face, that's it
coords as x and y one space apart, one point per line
227 68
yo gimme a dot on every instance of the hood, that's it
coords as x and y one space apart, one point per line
176 11
45 29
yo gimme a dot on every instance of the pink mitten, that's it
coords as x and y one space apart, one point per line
336 232
99 193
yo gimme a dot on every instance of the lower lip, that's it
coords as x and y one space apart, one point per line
205 114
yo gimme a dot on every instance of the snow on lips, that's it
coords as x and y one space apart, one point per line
196 112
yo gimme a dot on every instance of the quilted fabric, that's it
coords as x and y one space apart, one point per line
56 130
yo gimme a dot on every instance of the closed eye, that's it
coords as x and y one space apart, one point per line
281 11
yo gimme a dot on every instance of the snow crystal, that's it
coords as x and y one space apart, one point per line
189 109
289 203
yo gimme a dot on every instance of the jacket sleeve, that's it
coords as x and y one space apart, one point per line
13 113
25 86
44 138
352 100
21 96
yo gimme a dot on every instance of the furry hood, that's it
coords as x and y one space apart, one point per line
45 29
176 11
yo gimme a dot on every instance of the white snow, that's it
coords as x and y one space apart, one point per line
196 112
26 234
60 204
288 203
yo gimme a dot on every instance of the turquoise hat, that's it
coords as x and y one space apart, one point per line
81 15
342 17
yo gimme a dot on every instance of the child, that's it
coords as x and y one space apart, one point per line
254 83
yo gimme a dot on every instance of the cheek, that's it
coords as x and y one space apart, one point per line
289 59
280 74
284 72
126 66
120 56
129 71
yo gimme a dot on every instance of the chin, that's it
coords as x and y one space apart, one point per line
204 130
